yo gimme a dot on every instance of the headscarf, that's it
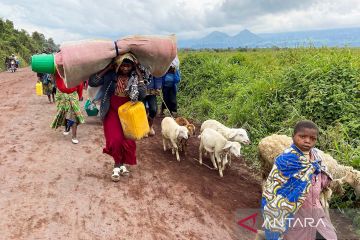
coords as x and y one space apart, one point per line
119 59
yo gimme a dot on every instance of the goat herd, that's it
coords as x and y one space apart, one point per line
216 140
220 141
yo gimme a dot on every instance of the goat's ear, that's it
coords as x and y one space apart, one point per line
232 134
177 131
227 146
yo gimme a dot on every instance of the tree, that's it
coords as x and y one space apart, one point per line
22 43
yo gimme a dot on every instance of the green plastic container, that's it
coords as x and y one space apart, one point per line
43 63
91 109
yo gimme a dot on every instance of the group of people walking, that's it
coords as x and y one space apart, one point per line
123 80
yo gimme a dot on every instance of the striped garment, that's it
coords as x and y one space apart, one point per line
120 86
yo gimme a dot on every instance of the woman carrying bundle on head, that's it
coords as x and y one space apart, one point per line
122 81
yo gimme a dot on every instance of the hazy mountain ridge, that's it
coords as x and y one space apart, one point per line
318 38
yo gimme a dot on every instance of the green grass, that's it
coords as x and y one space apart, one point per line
268 91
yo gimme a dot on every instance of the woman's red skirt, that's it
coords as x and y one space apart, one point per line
121 149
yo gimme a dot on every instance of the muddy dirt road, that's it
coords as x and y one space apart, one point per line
53 189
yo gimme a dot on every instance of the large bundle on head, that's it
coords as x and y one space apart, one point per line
76 61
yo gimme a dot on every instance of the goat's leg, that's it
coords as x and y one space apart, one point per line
175 149
219 161
200 152
177 154
164 144
225 161
212 157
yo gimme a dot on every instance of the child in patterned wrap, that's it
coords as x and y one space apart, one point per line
293 188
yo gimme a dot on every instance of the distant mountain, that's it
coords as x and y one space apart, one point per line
333 37
222 40
215 36
246 36
318 38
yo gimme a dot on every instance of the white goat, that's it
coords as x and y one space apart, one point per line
172 133
232 134
218 146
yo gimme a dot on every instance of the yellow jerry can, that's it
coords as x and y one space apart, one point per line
39 89
134 120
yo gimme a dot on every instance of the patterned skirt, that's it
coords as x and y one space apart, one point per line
68 107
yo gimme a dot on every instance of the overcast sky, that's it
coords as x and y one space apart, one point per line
66 20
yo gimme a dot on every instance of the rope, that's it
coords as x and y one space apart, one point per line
116 48
162 99
211 168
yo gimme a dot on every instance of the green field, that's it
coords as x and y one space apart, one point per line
268 91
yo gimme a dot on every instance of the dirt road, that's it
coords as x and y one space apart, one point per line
53 189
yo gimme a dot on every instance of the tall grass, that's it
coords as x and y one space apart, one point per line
268 91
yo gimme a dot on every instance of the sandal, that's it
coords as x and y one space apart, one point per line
115 175
124 171
74 141
66 133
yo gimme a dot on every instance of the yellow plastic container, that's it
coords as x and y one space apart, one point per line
39 89
133 120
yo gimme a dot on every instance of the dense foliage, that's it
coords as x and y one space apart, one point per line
21 43
268 91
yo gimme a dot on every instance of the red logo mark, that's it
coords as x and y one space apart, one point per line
242 222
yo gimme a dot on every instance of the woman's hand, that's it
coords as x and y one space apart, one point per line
106 69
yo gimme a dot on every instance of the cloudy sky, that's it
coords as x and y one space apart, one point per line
67 20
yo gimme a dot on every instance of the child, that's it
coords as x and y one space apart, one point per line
122 82
153 90
68 108
292 191
48 86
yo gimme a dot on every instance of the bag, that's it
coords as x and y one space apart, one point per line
133 120
91 108
95 93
